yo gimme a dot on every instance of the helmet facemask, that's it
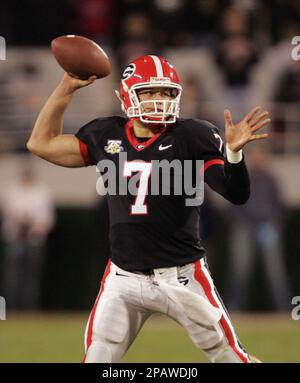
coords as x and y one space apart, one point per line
162 110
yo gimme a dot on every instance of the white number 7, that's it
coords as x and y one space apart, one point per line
218 137
139 206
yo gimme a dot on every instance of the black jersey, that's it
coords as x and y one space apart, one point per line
150 231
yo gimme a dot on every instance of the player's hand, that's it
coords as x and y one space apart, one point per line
70 83
238 135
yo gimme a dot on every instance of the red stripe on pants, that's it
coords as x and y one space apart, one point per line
91 322
205 283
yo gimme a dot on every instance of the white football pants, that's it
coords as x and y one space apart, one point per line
126 300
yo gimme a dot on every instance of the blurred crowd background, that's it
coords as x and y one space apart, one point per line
229 54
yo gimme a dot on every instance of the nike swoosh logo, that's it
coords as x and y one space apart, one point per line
164 147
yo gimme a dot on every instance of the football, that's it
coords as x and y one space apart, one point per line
80 56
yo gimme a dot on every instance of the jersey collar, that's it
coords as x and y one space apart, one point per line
135 143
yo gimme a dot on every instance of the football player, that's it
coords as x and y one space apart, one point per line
157 264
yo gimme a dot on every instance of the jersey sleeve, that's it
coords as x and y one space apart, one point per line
227 179
90 140
206 143
84 153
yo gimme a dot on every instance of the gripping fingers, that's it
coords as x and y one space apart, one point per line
89 81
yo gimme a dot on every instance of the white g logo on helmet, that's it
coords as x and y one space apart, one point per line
128 71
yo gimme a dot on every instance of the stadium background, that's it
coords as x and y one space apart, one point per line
203 39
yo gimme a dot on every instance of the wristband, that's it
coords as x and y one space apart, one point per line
234 157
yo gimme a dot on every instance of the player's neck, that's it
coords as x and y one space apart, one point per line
142 130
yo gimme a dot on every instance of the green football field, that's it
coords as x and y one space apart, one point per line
59 338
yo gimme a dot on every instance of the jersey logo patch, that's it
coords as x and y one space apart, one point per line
164 147
113 146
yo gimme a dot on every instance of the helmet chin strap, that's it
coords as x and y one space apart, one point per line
150 125
155 121
156 125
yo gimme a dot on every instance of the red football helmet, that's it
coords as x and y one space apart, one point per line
150 72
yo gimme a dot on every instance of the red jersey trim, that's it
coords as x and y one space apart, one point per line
210 163
84 153
134 140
